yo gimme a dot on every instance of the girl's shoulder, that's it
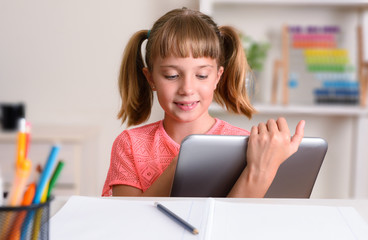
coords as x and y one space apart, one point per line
130 137
222 127
147 130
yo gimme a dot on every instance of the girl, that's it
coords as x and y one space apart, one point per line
189 61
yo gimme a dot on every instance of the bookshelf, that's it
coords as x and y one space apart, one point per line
344 126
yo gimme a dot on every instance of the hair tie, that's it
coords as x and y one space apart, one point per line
148 33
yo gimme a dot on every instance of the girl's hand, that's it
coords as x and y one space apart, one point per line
270 145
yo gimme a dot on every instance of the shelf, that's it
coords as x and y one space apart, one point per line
206 6
294 2
316 110
44 133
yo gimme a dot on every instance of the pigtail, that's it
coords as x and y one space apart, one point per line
231 90
135 92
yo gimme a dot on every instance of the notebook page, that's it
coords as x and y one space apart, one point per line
109 218
266 221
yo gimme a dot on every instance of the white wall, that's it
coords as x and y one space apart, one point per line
61 58
365 32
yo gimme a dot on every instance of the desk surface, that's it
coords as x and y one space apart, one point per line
215 219
361 205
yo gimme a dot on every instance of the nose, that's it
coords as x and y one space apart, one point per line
187 85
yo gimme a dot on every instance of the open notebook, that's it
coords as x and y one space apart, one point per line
116 218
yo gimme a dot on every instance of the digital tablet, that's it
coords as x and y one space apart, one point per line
209 165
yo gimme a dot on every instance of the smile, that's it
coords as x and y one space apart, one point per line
186 106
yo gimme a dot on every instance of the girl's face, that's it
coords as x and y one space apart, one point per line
185 86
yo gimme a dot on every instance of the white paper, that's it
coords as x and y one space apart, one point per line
265 221
106 218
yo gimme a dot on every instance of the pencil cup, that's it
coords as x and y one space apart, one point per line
25 222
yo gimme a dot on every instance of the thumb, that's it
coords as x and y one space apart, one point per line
298 136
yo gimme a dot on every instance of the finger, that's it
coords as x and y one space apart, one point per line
254 130
299 134
299 130
282 125
262 128
272 126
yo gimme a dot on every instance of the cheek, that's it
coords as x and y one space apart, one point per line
162 100
208 90
164 94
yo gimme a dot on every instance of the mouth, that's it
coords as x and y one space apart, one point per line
186 106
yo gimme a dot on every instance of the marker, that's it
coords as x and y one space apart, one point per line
44 178
54 177
27 139
23 170
22 173
29 194
176 218
37 224
15 232
21 141
44 193
46 173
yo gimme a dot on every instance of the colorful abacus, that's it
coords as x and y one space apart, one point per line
327 63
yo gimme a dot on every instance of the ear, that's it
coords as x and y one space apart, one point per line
220 71
148 76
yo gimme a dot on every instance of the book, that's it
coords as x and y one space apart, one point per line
117 218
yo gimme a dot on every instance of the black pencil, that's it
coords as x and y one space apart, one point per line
176 218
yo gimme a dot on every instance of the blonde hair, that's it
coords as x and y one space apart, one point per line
183 33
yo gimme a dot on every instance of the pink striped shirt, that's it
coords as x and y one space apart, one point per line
140 155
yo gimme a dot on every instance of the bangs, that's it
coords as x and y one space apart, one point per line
185 36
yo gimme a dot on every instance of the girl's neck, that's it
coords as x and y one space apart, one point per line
179 130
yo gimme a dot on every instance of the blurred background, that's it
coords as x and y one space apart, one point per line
59 64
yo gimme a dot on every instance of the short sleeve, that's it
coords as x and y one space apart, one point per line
122 166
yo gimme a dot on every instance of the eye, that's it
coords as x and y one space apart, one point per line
202 76
171 77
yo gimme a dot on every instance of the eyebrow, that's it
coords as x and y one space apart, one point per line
178 66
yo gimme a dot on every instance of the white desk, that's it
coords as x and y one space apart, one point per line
361 205
276 216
